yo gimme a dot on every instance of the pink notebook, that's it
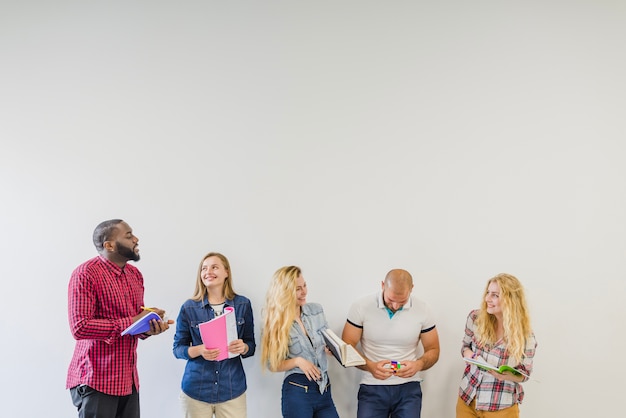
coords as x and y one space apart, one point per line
219 332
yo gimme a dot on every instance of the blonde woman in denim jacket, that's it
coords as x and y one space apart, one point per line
292 342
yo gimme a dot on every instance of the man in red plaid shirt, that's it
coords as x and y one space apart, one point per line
105 296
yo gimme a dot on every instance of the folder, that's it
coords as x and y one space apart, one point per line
219 332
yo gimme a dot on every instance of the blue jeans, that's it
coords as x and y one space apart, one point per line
390 401
302 399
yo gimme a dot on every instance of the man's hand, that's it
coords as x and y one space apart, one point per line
378 369
409 368
157 327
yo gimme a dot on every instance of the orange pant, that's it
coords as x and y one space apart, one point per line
469 411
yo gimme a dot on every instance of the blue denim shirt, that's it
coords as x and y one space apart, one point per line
312 350
212 381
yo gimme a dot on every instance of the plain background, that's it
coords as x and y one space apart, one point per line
455 139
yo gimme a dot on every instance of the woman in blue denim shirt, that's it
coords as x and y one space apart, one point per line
209 386
292 342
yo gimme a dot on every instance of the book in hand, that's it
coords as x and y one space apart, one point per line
345 354
482 364
219 332
142 324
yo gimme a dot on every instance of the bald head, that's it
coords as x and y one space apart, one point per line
397 288
399 280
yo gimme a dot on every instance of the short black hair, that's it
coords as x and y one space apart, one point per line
103 232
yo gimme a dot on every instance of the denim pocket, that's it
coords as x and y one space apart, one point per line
295 348
241 325
195 330
298 385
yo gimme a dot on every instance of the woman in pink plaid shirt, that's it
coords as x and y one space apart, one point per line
499 333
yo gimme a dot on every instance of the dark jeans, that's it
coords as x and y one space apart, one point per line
93 404
302 399
390 401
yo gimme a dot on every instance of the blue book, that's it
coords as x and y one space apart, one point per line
142 324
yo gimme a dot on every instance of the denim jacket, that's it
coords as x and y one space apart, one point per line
312 350
212 381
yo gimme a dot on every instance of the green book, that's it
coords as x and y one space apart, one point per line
482 364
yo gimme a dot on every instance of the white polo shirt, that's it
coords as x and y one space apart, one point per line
386 338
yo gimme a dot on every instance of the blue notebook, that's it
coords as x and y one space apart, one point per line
142 324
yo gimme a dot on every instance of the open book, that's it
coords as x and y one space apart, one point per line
343 352
482 364
219 332
142 324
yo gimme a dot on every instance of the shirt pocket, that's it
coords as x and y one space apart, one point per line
295 347
196 338
241 326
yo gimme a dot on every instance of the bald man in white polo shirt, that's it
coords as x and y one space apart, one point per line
389 325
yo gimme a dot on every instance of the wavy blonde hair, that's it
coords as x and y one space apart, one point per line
278 316
515 316
201 291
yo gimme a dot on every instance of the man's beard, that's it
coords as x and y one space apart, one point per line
127 252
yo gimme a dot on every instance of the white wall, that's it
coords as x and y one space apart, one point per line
454 139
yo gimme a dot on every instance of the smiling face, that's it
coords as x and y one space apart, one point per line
301 291
213 272
124 243
493 299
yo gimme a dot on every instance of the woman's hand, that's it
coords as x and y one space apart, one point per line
238 347
207 354
506 376
309 369
210 354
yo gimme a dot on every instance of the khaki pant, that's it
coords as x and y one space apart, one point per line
235 408
469 411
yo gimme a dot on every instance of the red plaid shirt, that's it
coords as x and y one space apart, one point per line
102 299
492 394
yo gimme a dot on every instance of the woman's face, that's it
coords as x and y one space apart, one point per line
492 298
213 272
300 291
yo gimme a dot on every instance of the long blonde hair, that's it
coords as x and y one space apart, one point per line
515 316
278 316
201 291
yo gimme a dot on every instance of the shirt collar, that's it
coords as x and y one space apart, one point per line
381 304
205 301
305 309
111 265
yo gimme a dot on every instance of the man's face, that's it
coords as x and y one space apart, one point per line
126 244
394 300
